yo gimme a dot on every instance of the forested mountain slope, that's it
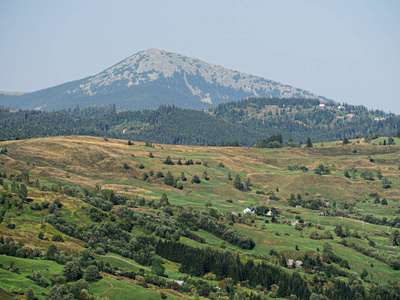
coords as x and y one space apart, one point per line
236 123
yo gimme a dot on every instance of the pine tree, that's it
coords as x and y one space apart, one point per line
183 177
364 274
151 155
168 161
237 183
30 295
309 143
247 184
394 238
196 179
386 184
379 174
338 230
345 141
22 192
164 200
169 179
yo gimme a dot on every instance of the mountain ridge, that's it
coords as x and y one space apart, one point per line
152 77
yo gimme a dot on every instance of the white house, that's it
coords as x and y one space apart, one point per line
248 210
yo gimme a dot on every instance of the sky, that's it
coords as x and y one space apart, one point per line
348 51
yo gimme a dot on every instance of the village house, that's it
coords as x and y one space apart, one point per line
248 210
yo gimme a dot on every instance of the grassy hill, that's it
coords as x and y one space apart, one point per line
283 180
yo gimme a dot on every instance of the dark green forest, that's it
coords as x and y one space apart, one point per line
236 123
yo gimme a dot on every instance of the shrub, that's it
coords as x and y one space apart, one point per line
57 238
168 161
163 295
92 274
196 179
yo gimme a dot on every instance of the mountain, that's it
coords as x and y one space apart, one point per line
153 77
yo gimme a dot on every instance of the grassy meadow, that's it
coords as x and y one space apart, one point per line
113 164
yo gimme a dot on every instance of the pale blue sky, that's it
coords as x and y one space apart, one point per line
344 50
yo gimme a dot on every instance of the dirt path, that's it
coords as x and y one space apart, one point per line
128 262
111 286
354 220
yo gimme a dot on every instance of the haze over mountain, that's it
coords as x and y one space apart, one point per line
153 77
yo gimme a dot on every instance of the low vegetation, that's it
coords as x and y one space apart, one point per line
79 220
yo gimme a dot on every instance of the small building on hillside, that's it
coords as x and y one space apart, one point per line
322 105
248 210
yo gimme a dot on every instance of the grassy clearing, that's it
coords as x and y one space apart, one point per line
9 280
117 289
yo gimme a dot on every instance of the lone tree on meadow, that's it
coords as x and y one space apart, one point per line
168 161
183 177
169 179
164 200
309 143
196 179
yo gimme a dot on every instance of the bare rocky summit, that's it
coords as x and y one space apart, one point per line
153 77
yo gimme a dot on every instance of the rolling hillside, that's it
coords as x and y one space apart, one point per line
343 200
